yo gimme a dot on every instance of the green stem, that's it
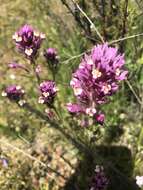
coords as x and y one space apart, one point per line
34 70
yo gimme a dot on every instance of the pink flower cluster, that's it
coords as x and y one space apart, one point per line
96 78
13 92
48 91
28 41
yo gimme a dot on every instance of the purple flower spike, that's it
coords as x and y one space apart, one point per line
50 54
48 92
14 93
28 41
99 181
51 57
98 77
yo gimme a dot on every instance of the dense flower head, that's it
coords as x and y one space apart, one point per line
28 40
50 54
13 92
99 181
48 91
98 77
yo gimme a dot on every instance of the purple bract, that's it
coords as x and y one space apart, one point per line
98 77
50 54
99 181
48 91
13 92
28 41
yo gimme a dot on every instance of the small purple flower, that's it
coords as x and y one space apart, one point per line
99 181
51 55
100 117
98 77
13 92
28 41
48 91
4 162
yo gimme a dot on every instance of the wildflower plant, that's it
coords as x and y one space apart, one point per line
97 78
94 81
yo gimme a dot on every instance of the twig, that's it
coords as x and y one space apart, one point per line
76 16
75 57
25 140
133 91
55 125
125 18
140 7
33 63
103 16
67 161
124 30
32 158
89 20
110 43
125 38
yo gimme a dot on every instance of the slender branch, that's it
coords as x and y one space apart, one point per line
133 91
124 30
55 125
23 139
140 7
89 20
67 161
77 18
110 43
34 70
125 38
125 18
103 16
32 158
75 57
